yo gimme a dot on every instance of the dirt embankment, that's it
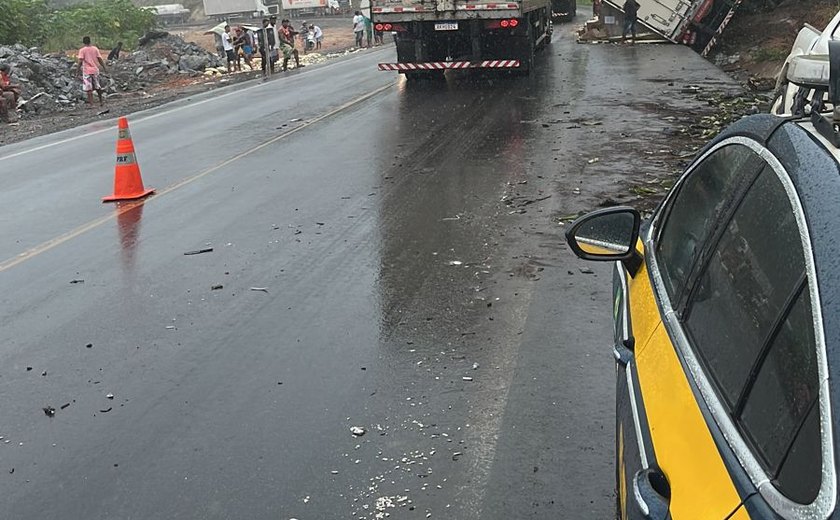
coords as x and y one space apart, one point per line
757 41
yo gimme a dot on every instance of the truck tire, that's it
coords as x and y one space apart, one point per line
528 52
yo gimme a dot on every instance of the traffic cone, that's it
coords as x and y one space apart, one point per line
128 185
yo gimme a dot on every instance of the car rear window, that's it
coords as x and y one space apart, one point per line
695 209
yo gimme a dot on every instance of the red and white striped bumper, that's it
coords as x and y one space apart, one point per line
446 65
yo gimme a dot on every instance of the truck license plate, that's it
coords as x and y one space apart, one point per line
448 26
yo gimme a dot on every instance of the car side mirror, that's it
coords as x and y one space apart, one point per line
606 235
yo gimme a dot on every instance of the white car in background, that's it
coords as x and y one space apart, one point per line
809 41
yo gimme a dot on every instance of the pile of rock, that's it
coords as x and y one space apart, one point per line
48 78
161 50
50 81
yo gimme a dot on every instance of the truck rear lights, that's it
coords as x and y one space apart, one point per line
385 27
508 23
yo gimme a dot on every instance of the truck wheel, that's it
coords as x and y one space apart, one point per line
527 59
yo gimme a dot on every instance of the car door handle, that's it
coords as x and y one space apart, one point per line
652 494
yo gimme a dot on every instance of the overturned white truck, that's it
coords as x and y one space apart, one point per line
433 36
696 23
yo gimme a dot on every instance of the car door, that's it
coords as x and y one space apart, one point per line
674 462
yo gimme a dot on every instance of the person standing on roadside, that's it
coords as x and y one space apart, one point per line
368 31
267 41
319 36
631 11
230 50
359 28
89 57
246 43
9 94
287 44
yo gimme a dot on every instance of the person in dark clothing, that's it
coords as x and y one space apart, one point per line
631 10
114 55
267 51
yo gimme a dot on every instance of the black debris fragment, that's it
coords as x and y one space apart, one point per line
89 345
217 287
106 410
199 251
78 280
49 411
65 405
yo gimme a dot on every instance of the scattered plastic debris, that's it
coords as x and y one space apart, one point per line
49 411
217 287
109 396
106 410
456 262
593 160
260 289
199 251
466 378
358 431
77 280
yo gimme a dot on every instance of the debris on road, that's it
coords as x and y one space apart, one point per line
217 287
109 396
466 378
199 251
106 410
358 431
64 406
78 280
260 289
49 411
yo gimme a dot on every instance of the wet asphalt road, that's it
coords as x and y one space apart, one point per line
416 285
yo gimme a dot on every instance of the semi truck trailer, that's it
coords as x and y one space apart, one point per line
433 36
228 9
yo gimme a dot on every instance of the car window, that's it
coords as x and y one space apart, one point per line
755 267
801 473
692 213
785 390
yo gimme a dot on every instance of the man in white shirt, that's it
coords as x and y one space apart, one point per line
359 28
227 45
319 36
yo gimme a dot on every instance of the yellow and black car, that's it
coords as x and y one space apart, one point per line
727 329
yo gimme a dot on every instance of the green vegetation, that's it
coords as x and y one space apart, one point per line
34 22
765 54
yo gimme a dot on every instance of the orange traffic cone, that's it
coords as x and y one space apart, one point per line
128 185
